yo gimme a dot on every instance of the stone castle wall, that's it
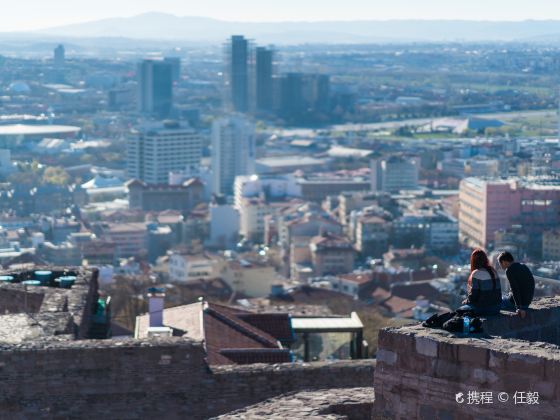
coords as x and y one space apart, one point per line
79 302
153 378
327 404
48 368
420 372
14 300
541 324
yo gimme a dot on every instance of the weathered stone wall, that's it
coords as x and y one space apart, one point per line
79 301
244 385
154 378
14 300
420 371
329 404
541 324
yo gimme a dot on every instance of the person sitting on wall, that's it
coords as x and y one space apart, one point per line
521 282
484 293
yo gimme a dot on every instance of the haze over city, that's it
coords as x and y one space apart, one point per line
37 14
256 210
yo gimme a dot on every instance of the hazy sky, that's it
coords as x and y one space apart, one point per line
35 14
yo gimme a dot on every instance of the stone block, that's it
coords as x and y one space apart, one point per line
448 351
526 364
451 371
390 338
512 382
473 355
552 370
427 412
413 362
497 360
387 357
484 377
545 389
426 346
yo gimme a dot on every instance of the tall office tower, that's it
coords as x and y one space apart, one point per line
233 151
292 103
304 96
176 65
59 56
264 81
155 150
394 174
237 73
155 87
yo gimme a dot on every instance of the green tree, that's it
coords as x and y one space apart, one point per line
56 175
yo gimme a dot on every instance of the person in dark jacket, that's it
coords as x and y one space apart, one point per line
484 293
521 282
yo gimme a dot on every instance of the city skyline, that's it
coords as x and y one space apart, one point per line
189 205
33 15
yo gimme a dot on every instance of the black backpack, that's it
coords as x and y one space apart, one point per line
453 322
437 321
457 324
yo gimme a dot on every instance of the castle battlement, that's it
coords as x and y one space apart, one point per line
421 371
50 366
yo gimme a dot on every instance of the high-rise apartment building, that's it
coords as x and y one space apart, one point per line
394 174
155 150
264 89
292 102
233 151
490 205
237 73
59 56
155 87
303 97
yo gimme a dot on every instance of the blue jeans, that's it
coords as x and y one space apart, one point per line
491 310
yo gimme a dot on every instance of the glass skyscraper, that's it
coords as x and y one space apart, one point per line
155 87
238 73
264 82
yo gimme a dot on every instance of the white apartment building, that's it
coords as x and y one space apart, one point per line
233 151
252 212
155 150
187 267
224 226
268 187
253 278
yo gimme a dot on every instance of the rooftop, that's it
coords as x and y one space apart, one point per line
37 130
232 335
281 161
327 324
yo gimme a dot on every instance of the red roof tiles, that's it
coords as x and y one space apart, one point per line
236 336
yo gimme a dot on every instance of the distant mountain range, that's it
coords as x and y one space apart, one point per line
166 27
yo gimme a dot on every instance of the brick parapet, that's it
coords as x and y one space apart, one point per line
165 377
331 404
420 371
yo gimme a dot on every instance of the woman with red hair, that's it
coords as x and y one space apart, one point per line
484 293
